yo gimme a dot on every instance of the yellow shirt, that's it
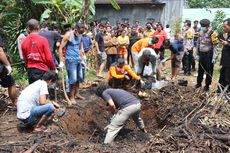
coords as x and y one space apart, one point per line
123 40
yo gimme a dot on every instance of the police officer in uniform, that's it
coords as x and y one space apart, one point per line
225 58
207 53
188 47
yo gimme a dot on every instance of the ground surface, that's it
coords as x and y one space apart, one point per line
177 120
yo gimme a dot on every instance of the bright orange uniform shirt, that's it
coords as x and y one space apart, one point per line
114 72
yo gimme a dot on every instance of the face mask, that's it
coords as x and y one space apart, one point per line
203 29
148 27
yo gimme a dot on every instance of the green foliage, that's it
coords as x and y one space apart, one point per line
176 26
208 3
115 5
217 23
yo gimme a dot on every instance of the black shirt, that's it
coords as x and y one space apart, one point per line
120 97
100 40
225 58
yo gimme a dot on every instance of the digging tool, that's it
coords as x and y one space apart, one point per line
63 86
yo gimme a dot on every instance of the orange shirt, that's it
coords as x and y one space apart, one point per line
161 36
140 44
119 73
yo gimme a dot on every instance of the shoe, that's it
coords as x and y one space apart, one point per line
197 85
206 88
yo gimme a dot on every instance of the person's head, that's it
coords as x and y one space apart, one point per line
148 26
123 33
108 29
187 24
120 62
100 89
113 34
226 25
167 26
153 41
133 29
101 28
205 24
32 25
141 30
50 77
166 43
159 27
44 24
146 55
79 28
195 23
136 23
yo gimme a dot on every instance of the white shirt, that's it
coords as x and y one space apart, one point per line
30 98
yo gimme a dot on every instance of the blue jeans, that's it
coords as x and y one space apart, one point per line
74 70
38 111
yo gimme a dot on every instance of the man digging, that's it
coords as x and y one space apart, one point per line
122 105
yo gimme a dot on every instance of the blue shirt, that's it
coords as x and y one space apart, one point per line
73 48
87 43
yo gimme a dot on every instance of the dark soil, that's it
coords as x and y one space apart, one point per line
174 116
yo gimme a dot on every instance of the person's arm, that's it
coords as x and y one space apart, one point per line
130 72
111 106
114 73
43 100
62 46
96 43
82 53
48 56
3 57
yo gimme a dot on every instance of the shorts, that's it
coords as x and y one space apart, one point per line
38 111
35 74
101 58
122 51
74 70
7 81
176 60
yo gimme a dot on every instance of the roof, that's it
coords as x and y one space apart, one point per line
129 2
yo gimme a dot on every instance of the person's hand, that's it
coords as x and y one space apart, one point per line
213 61
224 42
142 82
61 65
127 77
99 52
9 69
56 71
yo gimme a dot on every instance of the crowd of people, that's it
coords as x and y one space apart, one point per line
125 51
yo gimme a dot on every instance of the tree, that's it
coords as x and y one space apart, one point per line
208 3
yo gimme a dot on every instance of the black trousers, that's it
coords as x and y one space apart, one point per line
205 66
187 61
34 74
224 79
111 58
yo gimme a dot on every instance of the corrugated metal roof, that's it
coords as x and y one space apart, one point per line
130 2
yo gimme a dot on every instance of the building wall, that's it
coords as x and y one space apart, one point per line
165 12
140 12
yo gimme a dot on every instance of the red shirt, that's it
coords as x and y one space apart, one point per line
161 36
36 53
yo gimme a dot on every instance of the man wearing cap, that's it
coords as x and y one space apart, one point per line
119 73
145 57
207 53
122 105
224 79
188 47
139 45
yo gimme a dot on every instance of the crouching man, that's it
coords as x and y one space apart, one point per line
145 57
33 107
122 105
121 74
